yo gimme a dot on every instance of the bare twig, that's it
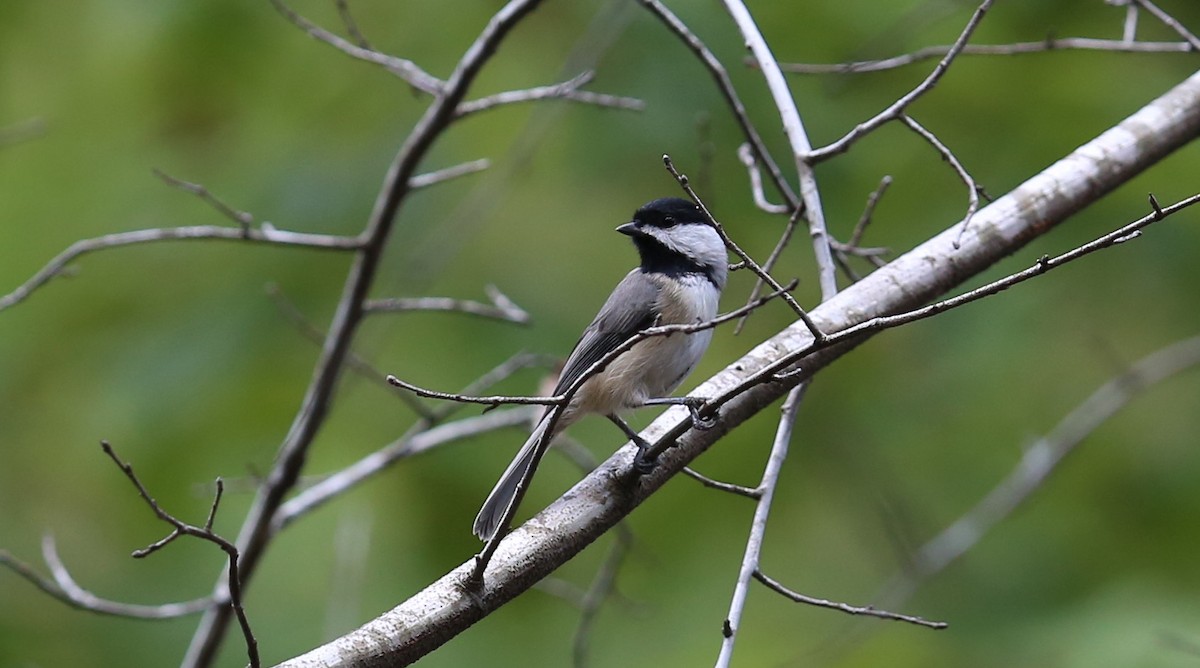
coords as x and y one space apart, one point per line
725 85
1170 22
501 308
354 362
64 588
745 153
500 372
567 90
867 610
265 234
405 69
948 156
932 52
767 266
1129 30
898 107
242 218
860 227
351 25
181 528
758 526
425 180
748 492
842 252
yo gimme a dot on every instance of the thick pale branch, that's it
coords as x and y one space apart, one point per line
444 609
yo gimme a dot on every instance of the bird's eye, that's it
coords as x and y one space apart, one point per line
668 221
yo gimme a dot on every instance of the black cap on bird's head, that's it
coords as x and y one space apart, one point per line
668 212
672 234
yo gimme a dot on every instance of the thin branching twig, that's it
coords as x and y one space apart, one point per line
895 109
265 235
64 588
865 610
1016 48
181 528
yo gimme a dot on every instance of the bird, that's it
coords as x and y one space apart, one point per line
683 269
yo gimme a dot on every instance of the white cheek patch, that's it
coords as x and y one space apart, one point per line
696 242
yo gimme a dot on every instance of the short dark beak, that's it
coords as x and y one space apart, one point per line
631 228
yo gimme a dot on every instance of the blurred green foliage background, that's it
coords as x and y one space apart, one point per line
175 354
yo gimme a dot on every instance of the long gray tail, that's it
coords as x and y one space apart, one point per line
505 493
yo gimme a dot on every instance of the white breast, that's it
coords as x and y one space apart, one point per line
655 367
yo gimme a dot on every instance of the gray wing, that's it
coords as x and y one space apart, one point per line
629 309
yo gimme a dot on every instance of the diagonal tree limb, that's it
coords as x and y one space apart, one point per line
441 611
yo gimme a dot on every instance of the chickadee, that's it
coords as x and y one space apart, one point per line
683 270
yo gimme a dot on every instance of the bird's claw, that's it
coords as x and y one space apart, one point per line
644 463
699 421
